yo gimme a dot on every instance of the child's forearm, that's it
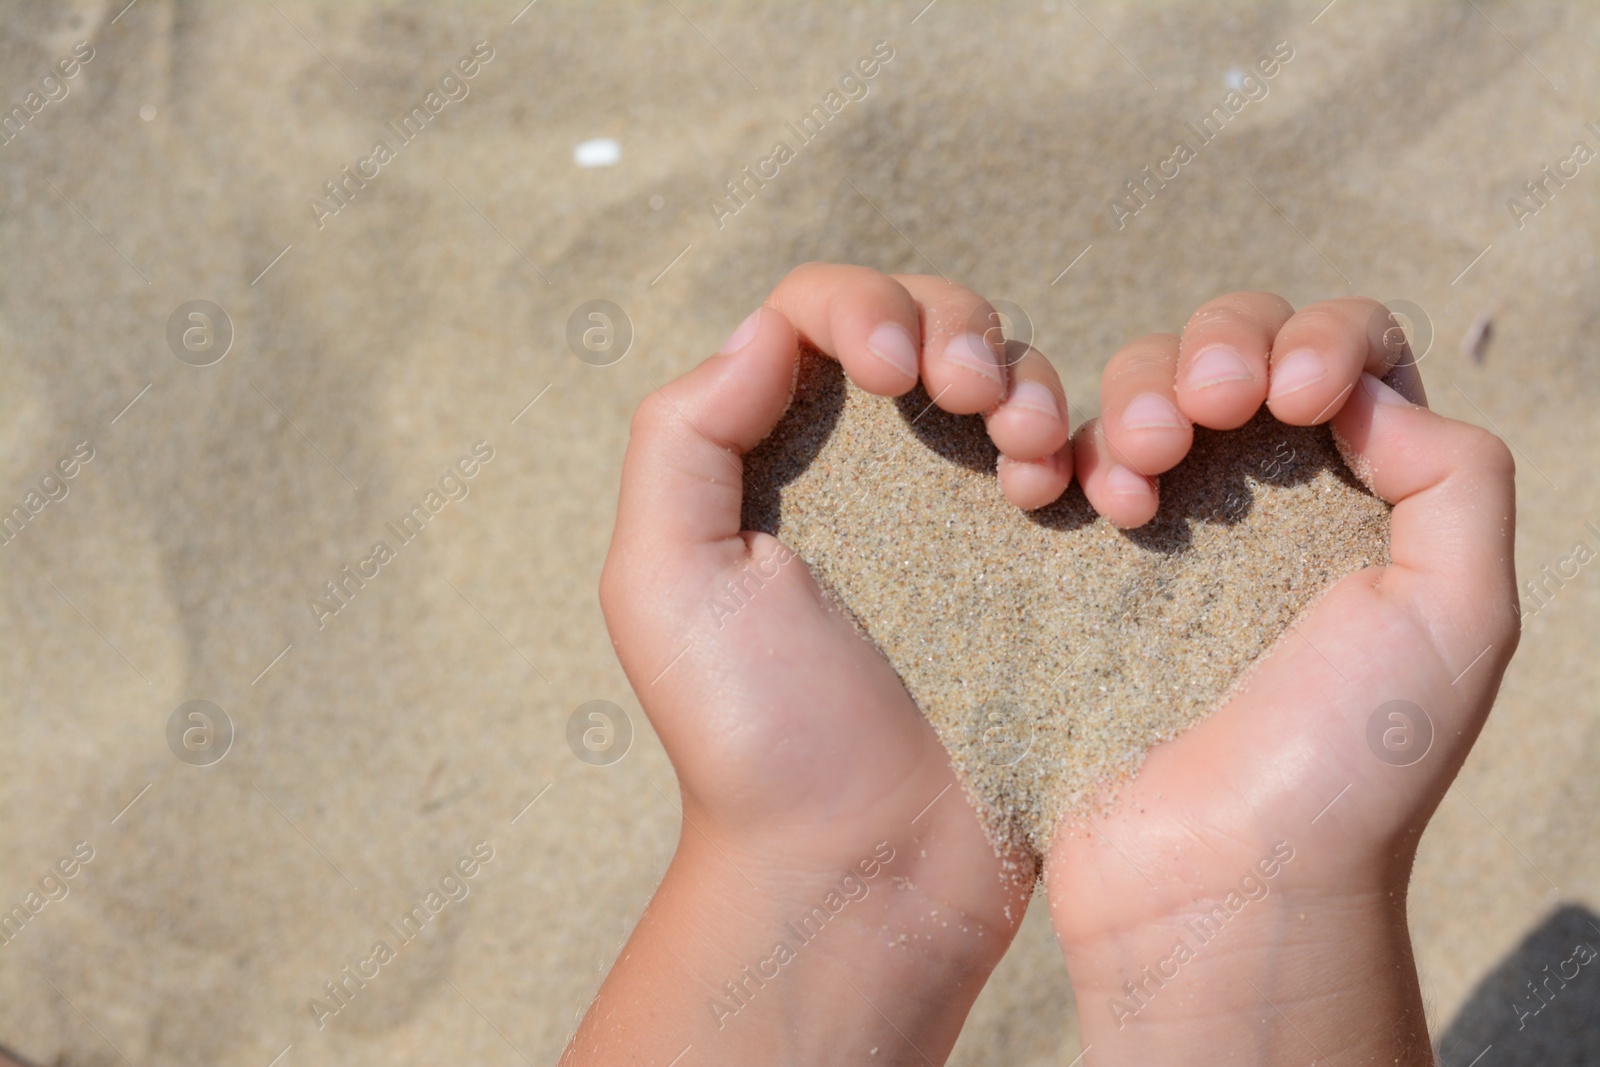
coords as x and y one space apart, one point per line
1304 981
720 972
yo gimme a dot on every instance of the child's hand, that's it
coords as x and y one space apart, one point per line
808 777
1309 957
885 328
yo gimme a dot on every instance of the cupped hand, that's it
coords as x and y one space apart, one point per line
797 749
1345 737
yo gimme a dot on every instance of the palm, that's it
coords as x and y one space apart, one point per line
785 752
1287 760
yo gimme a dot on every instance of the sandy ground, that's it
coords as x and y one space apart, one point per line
373 348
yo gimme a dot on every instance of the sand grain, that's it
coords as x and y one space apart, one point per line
1050 650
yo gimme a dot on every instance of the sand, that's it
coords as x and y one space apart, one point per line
411 326
1049 649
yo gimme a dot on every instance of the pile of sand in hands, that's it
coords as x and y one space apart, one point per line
1049 649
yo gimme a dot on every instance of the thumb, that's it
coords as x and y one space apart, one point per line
1451 531
683 477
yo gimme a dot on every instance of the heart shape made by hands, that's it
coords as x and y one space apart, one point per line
1050 649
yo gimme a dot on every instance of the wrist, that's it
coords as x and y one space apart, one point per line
770 956
928 886
796 926
1292 977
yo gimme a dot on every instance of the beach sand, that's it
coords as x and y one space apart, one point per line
1049 649
375 347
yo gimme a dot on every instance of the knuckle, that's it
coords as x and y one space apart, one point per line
1327 315
1362 305
952 297
1257 305
1221 317
805 270
918 284
969 310
1490 453
1141 365
1325 322
802 278
1256 297
651 416
1145 349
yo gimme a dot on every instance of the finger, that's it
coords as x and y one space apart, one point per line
1117 491
963 357
683 476
1322 349
1222 362
1450 535
1139 405
1031 423
1405 377
1033 483
864 319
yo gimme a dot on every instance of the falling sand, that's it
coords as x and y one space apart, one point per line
1050 649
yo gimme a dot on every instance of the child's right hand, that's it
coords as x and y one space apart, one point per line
887 330
808 777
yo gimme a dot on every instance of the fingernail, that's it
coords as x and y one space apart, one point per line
743 335
1124 482
1296 371
1216 365
1380 393
1150 411
973 353
890 343
1034 396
